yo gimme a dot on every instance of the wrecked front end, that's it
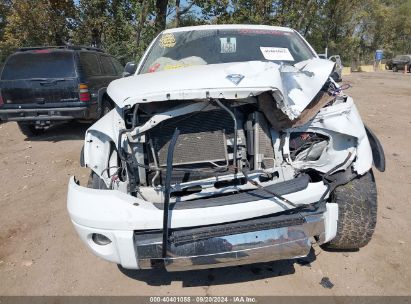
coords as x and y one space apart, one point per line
210 177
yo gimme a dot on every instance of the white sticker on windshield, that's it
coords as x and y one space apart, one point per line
228 45
276 53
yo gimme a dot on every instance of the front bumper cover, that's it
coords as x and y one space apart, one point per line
257 231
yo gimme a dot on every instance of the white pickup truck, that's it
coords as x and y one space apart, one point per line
230 144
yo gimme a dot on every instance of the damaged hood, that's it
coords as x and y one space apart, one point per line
298 84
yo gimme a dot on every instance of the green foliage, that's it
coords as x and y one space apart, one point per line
35 23
354 29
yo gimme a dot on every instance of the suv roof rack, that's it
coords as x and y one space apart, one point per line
70 47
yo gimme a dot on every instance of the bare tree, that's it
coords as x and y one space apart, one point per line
180 12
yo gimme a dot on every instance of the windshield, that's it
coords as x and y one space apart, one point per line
39 64
180 49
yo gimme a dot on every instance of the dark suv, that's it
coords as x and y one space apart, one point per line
400 62
40 86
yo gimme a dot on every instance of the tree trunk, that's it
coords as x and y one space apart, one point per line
303 16
161 14
141 21
177 13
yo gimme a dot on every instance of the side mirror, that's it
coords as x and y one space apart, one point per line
130 69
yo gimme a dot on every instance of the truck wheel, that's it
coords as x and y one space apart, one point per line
29 130
394 68
106 107
357 213
95 182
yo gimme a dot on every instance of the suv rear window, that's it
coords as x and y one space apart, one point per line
118 66
90 63
39 64
107 65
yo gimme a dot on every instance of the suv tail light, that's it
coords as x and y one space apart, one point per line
1 99
84 93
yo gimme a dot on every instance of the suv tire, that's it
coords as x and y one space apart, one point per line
29 130
106 106
357 213
394 68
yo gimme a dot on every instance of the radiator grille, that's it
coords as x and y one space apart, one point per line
202 137
193 148
265 146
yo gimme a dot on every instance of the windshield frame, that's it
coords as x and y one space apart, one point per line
188 29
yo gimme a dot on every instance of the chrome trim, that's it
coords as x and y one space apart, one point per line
244 248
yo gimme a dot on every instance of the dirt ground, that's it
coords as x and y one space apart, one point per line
40 253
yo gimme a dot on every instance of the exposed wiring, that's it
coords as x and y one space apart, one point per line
326 175
111 176
126 158
108 168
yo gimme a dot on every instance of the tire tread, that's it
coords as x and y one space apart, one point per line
357 208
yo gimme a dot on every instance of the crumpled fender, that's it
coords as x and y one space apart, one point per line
345 119
100 139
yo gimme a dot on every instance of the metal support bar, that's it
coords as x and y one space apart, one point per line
167 189
235 132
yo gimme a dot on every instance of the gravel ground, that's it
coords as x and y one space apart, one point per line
40 253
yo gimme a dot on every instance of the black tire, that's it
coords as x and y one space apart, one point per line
82 162
95 182
29 130
394 68
106 106
357 213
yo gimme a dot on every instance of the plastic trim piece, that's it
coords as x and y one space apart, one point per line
378 155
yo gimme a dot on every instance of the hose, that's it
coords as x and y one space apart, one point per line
235 132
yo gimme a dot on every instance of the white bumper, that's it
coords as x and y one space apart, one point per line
117 216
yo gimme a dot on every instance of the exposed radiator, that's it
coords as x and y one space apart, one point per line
263 142
202 142
206 140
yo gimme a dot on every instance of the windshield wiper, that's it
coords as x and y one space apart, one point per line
37 79
52 81
48 80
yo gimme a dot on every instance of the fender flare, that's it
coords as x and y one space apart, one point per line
378 155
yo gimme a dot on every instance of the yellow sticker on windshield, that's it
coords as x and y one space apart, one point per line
176 66
167 40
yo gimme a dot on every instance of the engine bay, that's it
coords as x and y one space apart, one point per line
223 147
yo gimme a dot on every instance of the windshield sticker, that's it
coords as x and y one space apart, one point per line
167 41
176 66
228 45
276 53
